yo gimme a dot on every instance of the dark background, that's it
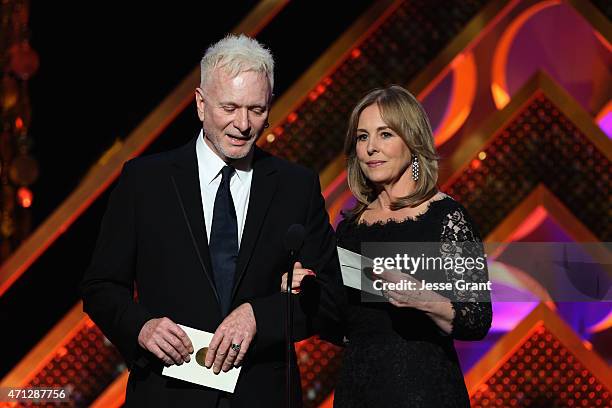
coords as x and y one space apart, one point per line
103 67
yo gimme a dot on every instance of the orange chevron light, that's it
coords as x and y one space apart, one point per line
531 349
499 88
461 97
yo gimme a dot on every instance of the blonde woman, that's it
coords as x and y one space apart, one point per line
400 353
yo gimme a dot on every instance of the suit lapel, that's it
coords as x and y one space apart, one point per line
263 188
186 182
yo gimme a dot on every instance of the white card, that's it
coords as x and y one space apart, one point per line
350 265
197 374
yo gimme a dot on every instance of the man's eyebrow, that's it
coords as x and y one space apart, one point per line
236 105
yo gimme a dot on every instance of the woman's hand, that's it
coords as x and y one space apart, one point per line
415 297
298 274
436 306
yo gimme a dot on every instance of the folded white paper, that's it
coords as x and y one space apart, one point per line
351 264
197 374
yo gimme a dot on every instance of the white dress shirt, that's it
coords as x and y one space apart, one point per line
209 171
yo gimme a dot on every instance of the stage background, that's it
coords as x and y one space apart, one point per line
518 93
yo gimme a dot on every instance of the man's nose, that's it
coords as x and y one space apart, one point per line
241 121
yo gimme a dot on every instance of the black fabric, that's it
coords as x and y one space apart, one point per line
224 240
224 401
398 357
153 238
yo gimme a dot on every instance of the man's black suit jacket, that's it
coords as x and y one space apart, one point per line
153 242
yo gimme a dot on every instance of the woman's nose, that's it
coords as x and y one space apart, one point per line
372 146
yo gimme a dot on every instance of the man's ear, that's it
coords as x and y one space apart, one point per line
200 102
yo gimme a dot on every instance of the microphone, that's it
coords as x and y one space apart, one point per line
294 239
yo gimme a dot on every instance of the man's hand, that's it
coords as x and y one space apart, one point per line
232 339
166 340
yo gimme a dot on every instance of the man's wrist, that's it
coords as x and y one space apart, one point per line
250 308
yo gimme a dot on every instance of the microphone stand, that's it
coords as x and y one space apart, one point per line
289 329
294 239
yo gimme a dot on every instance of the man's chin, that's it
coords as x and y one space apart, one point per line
237 152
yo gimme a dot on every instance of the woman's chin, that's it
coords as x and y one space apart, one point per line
378 179
378 175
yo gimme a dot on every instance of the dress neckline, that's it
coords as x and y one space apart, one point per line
408 219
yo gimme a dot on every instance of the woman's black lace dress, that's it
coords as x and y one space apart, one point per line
398 357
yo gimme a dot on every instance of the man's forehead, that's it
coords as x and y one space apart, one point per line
246 84
237 78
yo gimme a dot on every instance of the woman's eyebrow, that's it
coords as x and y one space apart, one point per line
378 129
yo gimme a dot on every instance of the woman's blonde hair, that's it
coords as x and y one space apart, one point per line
405 116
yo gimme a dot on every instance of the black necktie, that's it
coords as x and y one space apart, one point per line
224 240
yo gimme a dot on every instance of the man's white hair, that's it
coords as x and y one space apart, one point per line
236 54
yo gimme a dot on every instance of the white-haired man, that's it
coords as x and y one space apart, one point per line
199 231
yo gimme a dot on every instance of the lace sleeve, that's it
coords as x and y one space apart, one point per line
473 312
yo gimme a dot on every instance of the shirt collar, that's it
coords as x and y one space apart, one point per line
210 164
